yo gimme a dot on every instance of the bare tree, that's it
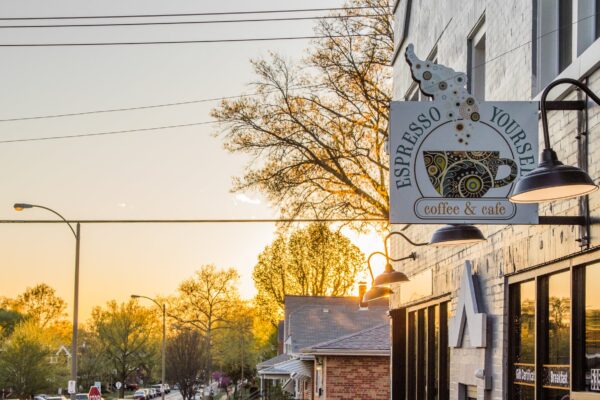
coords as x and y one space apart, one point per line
205 303
186 354
319 128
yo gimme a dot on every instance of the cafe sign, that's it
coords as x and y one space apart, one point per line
455 159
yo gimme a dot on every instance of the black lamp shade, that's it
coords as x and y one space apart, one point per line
552 180
389 276
376 293
451 235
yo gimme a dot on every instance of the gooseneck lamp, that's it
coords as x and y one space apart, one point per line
380 287
552 180
452 235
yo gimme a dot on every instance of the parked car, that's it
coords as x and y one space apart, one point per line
140 394
167 388
148 393
158 387
81 396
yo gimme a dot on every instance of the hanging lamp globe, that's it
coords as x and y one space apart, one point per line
552 180
376 293
389 276
453 235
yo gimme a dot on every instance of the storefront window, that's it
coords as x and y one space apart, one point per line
427 353
523 340
556 330
592 328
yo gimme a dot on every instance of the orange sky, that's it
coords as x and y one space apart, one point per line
177 173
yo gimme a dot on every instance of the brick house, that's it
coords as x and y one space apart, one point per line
312 320
354 366
535 284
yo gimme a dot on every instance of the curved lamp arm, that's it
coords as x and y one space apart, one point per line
389 235
544 110
20 206
137 296
388 259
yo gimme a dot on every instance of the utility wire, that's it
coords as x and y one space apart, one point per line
189 221
190 14
237 40
148 106
210 122
80 135
226 21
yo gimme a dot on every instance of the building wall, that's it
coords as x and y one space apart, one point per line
508 249
353 377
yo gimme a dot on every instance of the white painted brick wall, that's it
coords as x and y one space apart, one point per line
508 248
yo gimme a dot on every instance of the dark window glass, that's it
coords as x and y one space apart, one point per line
522 309
592 328
597 19
557 326
565 33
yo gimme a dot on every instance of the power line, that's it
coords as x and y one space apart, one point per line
190 14
237 40
179 103
226 21
192 221
80 135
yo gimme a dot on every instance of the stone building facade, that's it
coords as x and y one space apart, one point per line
510 50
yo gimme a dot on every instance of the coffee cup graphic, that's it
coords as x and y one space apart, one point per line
466 174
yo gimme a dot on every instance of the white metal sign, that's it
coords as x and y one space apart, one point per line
467 313
455 159
71 388
118 385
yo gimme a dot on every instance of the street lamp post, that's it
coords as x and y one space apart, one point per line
77 234
163 307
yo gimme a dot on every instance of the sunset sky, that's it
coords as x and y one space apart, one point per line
175 173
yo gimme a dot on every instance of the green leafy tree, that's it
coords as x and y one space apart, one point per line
236 350
186 359
128 337
319 127
205 303
39 303
8 321
312 261
25 361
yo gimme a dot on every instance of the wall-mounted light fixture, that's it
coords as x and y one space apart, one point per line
451 235
552 180
381 284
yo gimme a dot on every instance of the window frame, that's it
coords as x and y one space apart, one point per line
576 266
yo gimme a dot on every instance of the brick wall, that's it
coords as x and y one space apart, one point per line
508 249
357 378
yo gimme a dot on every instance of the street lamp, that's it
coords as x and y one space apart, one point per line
77 234
163 307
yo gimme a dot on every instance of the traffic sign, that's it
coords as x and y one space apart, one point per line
98 385
118 385
94 394
71 387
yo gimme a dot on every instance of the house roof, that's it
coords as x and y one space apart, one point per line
294 368
316 319
272 361
370 341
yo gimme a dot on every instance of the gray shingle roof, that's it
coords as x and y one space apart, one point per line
272 361
316 319
375 340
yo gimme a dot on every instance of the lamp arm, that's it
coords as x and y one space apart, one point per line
544 110
151 299
410 256
59 216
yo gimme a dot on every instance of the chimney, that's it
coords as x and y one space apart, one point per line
362 289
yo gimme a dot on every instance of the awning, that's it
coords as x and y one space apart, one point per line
295 369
